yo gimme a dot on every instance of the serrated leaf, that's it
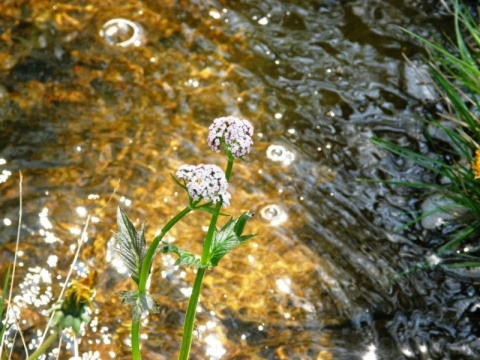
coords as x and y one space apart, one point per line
229 237
184 257
139 303
130 244
241 222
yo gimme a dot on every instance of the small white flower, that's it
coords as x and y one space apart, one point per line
237 135
207 182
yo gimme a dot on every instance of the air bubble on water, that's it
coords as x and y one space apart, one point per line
123 33
276 153
274 214
279 153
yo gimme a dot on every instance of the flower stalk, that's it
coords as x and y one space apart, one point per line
206 186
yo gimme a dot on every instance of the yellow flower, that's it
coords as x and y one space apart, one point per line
476 164
79 294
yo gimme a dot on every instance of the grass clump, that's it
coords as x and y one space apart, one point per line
454 66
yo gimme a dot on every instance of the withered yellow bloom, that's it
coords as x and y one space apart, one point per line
79 294
476 164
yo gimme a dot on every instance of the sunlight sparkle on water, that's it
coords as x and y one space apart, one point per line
32 294
126 201
214 14
52 260
215 349
7 222
75 230
263 21
370 354
44 219
81 211
5 175
284 285
186 291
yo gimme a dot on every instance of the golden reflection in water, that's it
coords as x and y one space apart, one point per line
136 115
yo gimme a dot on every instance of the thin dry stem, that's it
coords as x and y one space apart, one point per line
12 276
67 279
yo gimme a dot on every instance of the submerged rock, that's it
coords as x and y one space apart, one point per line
437 210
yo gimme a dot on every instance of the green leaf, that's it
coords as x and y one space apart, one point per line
184 257
229 237
139 303
130 245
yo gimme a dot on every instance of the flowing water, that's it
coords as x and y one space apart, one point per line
101 100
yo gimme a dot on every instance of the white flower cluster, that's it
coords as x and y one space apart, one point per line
205 181
237 135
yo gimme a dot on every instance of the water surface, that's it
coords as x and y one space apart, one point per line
94 121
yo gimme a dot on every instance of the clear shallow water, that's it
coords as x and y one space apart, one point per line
82 117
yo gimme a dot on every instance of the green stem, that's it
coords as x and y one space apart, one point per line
190 316
210 233
148 259
228 170
136 355
44 347
192 304
213 222
145 272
